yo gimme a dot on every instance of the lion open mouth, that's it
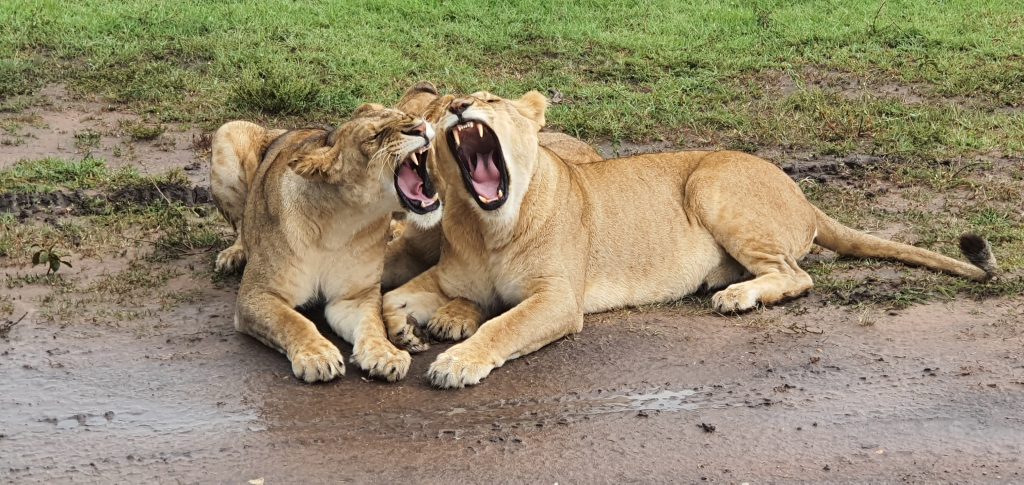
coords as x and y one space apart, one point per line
415 190
478 152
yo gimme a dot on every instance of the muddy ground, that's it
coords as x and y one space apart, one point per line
154 385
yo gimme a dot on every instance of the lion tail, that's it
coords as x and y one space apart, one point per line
849 242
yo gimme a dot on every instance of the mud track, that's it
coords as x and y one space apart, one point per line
931 394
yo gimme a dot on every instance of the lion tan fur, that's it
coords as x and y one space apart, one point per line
574 239
316 204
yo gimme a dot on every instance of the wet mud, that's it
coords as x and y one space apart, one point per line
931 393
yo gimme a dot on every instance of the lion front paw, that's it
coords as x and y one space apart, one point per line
318 361
453 323
459 367
403 332
736 298
231 259
382 360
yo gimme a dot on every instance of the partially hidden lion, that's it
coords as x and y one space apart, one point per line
416 245
312 209
531 243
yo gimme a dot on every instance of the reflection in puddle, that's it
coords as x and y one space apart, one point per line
661 400
576 405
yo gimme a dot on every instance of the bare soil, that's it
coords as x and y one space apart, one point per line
802 392
60 125
149 382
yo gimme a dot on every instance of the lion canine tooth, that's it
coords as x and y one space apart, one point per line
415 161
500 193
480 129
428 203
458 142
482 198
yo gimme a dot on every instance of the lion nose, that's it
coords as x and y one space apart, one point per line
418 130
458 106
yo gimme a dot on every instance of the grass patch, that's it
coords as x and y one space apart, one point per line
138 131
87 139
689 71
18 77
139 279
51 174
124 215
274 93
6 306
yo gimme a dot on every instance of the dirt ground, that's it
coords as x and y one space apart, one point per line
157 386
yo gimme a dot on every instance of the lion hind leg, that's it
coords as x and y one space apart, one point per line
776 278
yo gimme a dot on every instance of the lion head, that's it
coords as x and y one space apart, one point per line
379 150
422 99
492 146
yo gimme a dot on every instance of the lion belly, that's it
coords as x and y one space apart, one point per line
678 269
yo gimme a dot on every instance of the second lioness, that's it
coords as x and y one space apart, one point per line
312 209
532 243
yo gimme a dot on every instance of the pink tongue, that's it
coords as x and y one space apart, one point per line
485 177
410 183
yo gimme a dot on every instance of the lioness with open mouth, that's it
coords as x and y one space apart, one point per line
417 242
531 243
312 209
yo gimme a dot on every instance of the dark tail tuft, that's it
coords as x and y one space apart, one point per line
977 250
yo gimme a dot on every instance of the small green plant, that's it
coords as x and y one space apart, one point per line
139 131
51 259
87 139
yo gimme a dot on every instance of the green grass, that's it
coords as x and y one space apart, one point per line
935 88
107 226
690 71
51 174
138 131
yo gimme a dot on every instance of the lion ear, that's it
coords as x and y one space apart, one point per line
318 163
417 98
367 107
533 105
323 162
421 87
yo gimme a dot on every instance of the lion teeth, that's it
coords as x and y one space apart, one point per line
428 203
415 160
480 129
485 200
458 142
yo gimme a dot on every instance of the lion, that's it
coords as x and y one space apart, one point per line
312 208
531 243
416 242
